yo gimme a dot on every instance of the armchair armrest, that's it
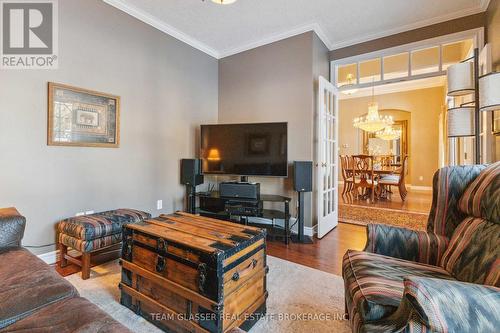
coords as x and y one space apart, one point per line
11 227
450 306
418 246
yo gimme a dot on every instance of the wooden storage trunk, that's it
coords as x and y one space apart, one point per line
187 273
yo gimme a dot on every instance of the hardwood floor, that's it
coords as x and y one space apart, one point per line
326 253
416 201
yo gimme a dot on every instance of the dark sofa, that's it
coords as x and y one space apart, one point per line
34 297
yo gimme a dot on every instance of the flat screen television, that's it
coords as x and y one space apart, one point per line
258 149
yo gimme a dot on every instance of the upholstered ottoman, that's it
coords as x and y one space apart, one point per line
94 234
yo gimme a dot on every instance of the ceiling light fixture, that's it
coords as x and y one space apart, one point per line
373 121
224 2
350 83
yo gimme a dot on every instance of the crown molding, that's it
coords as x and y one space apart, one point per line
162 26
408 27
279 36
218 54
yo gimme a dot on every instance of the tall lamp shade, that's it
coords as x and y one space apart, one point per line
461 79
461 122
489 92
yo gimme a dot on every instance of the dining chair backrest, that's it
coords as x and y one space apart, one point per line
403 170
363 167
346 165
387 160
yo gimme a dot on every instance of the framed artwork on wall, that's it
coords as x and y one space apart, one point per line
82 118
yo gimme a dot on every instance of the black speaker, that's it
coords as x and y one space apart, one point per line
302 176
240 190
191 173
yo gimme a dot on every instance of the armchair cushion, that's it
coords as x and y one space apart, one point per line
11 227
419 246
482 196
374 284
452 306
474 252
449 184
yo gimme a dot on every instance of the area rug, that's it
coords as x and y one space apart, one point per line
301 299
363 215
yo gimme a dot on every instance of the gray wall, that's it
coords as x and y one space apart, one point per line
167 90
275 83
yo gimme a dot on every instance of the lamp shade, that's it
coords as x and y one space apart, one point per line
461 122
461 79
489 92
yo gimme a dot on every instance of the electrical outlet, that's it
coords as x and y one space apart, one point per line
159 204
80 214
89 212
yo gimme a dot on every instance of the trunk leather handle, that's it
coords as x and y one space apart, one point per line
244 272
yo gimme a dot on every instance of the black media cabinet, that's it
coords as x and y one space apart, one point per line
211 204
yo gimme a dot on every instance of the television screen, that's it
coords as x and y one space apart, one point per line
245 149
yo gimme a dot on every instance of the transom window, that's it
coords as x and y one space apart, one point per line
408 62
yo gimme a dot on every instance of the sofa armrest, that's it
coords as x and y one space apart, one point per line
450 306
407 244
12 226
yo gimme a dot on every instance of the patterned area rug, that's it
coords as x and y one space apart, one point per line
363 215
294 304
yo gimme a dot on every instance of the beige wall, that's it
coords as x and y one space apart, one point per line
424 107
493 28
275 83
167 89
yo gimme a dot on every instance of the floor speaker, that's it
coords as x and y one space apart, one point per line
302 176
302 183
191 173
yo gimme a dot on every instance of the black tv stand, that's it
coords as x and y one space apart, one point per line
211 204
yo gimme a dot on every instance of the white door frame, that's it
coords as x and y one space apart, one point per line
327 129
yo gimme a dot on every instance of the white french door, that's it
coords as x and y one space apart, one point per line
327 157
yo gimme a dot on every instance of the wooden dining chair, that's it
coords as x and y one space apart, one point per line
347 173
387 160
364 176
397 179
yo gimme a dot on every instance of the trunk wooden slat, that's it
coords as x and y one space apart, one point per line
187 273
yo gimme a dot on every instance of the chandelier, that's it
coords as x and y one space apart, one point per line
373 121
350 83
389 134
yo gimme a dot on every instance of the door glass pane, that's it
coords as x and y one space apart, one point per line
347 74
370 71
425 61
396 66
455 52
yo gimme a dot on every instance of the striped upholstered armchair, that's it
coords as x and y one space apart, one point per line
446 279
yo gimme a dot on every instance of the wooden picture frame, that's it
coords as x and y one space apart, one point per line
82 118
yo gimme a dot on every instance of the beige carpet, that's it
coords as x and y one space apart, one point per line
363 215
295 291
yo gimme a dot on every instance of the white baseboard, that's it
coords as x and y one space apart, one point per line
50 257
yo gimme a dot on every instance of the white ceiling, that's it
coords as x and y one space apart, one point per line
223 30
